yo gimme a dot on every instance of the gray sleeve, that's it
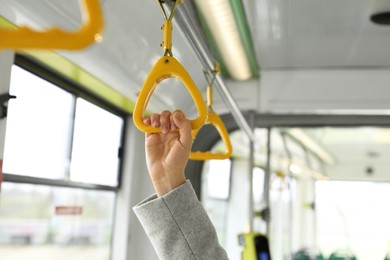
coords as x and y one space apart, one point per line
179 227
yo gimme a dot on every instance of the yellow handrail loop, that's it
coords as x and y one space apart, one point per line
216 121
56 38
167 67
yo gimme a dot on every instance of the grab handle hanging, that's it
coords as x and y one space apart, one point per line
56 38
216 121
167 67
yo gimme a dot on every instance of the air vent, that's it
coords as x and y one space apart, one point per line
381 12
381 18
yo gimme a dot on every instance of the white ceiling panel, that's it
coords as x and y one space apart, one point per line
315 56
130 47
317 34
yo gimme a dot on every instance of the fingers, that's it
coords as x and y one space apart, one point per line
155 120
168 121
162 121
173 125
184 127
147 121
165 122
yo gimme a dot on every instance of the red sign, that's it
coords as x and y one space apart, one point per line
69 210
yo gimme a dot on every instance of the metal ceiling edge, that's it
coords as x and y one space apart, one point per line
206 141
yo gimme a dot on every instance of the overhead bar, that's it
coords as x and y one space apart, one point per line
250 223
185 21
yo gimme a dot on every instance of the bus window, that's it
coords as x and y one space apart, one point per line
61 169
38 127
46 222
95 147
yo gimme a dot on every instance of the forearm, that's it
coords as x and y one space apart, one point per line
179 227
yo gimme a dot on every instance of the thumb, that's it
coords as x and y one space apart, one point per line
184 126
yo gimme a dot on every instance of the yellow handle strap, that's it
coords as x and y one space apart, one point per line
216 121
210 84
55 38
209 97
167 27
167 41
167 67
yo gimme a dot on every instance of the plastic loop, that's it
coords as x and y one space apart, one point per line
216 121
167 67
55 38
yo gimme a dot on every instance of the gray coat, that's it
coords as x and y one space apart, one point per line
179 227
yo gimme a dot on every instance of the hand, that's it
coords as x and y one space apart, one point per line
167 152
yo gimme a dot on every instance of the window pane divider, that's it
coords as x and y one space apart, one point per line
52 182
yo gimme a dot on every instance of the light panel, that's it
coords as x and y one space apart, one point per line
310 144
221 22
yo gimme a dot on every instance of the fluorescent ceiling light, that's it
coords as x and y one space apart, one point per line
294 168
310 144
221 22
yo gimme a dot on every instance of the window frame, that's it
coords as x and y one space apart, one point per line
77 91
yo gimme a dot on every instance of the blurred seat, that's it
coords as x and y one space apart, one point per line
342 255
308 254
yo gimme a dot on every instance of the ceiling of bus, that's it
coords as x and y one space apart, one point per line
304 34
130 47
319 56
313 56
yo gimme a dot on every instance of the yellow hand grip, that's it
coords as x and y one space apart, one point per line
167 42
215 120
167 67
55 38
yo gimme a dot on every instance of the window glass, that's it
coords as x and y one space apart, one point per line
96 144
215 197
42 222
52 134
219 179
258 187
353 216
38 127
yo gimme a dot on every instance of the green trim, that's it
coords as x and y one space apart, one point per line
243 28
213 45
78 74
84 78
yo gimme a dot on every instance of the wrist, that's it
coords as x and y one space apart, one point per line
166 185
